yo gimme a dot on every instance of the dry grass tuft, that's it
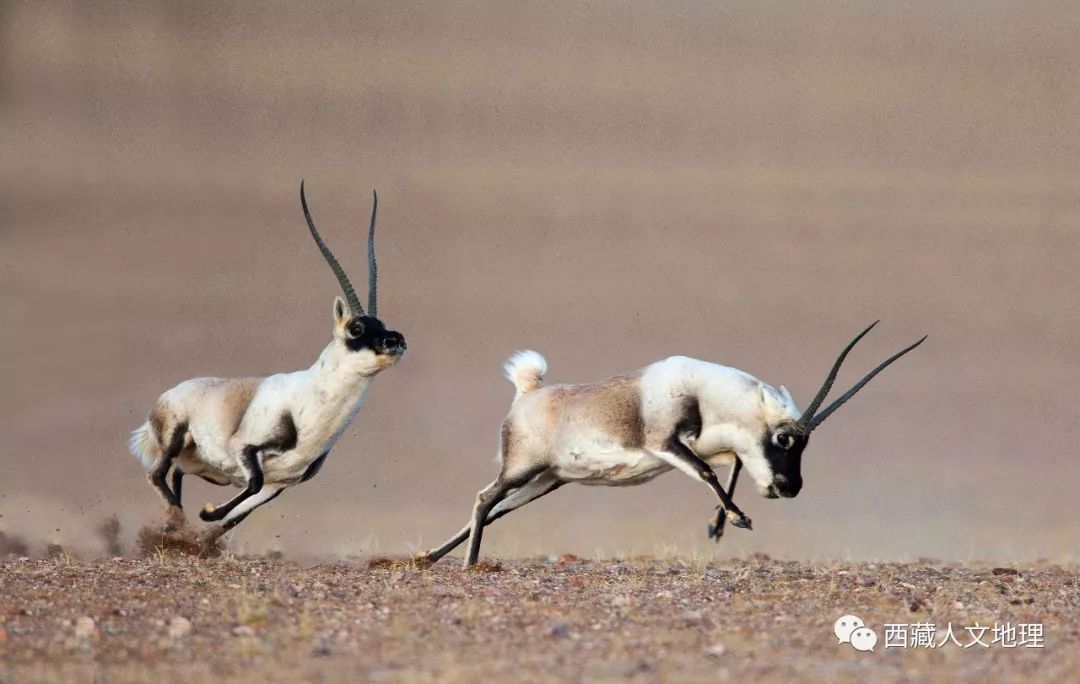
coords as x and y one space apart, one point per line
487 566
398 563
175 535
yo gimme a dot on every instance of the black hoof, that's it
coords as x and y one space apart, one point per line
716 526
210 514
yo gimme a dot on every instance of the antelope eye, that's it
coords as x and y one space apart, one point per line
356 329
784 440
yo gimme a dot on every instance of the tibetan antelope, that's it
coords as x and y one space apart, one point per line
677 413
266 434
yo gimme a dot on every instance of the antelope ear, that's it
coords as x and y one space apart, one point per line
787 396
770 403
341 312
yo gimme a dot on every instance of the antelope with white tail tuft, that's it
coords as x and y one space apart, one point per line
267 434
677 413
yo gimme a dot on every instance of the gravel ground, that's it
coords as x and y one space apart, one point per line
566 619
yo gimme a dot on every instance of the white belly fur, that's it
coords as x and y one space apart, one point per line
613 468
288 467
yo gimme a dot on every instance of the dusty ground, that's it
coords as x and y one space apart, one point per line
563 619
607 182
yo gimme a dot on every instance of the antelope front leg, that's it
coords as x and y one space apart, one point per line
177 480
680 456
243 510
716 525
249 460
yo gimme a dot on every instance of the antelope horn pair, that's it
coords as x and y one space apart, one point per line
811 418
343 280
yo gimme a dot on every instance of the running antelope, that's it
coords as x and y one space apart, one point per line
267 434
677 413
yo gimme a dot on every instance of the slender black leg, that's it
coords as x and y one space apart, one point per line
680 456
266 498
486 500
250 459
160 469
177 482
536 488
716 525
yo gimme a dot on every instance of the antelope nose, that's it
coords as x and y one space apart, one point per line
785 487
395 341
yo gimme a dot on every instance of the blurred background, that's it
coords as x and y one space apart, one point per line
609 183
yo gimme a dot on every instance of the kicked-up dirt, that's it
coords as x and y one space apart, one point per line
170 618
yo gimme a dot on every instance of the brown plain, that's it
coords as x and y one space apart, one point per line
609 183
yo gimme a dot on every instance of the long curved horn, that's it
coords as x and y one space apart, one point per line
346 286
805 422
820 418
373 269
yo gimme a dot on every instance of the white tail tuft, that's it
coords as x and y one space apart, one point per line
143 445
526 370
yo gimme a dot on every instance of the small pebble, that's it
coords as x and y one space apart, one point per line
560 630
84 627
179 627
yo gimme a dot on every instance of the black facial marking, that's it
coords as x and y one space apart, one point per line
355 328
786 464
373 335
315 467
